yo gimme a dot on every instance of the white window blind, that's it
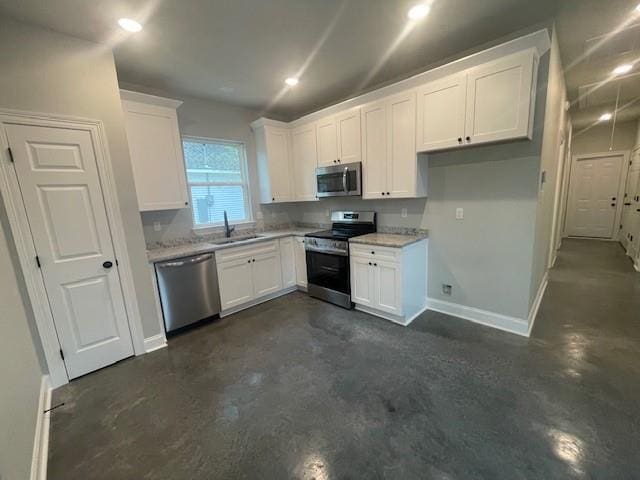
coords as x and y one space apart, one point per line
217 180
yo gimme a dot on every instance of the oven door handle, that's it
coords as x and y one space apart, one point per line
329 251
344 179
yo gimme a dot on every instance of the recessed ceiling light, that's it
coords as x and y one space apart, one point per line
291 81
129 25
605 117
418 11
622 69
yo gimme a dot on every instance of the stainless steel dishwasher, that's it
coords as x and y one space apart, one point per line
188 290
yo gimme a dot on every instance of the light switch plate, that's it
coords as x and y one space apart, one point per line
459 213
404 213
157 227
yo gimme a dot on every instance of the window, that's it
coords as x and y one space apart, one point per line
217 180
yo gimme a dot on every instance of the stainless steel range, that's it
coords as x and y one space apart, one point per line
328 256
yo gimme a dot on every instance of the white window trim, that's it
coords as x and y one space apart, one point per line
215 227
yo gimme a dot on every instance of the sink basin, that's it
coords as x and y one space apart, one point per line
225 241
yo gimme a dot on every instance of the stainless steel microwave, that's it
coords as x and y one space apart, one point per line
339 180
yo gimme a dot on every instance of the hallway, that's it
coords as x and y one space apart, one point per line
297 388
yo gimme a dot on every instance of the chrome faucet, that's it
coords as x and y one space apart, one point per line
227 229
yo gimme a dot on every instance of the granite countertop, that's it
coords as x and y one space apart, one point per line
394 240
170 253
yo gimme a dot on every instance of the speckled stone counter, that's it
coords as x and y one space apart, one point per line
393 240
178 251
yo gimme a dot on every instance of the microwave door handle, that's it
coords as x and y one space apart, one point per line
344 179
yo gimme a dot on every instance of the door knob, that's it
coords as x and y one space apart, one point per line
468 139
107 264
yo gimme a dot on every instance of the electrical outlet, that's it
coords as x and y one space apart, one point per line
404 213
459 213
157 227
446 289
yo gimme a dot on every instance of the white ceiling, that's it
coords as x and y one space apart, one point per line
240 51
595 36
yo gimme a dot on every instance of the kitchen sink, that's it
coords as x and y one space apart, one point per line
225 241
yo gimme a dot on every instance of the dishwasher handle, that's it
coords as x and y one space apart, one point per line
189 261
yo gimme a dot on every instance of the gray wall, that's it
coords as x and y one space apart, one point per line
597 139
43 71
554 133
206 118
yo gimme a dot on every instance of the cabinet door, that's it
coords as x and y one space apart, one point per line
301 262
235 279
349 136
362 278
387 287
277 140
499 99
402 161
304 157
267 274
156 156
441 113
287 262
327 142
374 150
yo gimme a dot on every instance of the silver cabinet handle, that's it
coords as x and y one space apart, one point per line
344 179
190 261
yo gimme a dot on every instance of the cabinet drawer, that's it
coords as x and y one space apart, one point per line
236 253
373 251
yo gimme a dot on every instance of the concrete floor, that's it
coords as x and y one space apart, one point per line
297 388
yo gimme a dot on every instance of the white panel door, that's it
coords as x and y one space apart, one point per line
362 278
441 113
499 99
402 164
279 168
267 274
374 150
387 287
593 193
156 156
58 177
349 136
301 262
287 262
327 142
304 157
235 278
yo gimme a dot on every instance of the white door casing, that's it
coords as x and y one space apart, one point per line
59 180
594 196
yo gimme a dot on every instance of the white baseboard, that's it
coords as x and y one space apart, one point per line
519 326
155 343
533 313
404 321
41 438
286 291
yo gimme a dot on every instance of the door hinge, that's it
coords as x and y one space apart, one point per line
117 264
10 154
61 354
38 261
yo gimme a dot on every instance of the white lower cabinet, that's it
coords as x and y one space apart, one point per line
300 261
390 282
288 262
248 273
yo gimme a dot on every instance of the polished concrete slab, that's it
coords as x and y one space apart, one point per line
296 388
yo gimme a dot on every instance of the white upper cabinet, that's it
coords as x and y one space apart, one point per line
499 99
441 113
391 168
274 166
155 147
339 138
489 103
304 157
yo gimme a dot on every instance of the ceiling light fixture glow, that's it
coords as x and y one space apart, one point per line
291 81
638 8
622 69
419 11
129 25
605 117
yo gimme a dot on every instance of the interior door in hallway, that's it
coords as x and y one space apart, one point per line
59 181
593 196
